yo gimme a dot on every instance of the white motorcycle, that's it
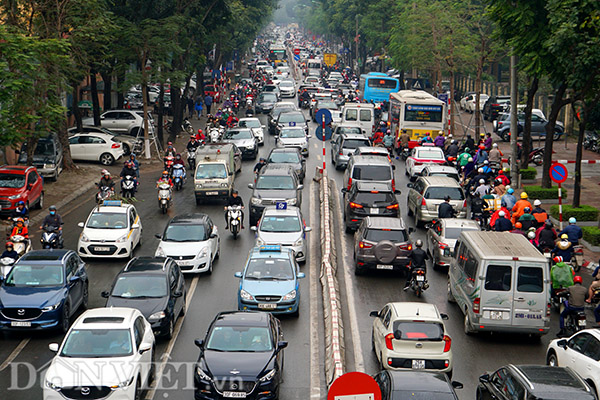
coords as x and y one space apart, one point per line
22 245
179 176
215 135
234 216
128 186
164 197
6 263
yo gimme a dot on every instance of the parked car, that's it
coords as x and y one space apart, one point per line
470 104
538 127
402 385
20 183
494 106
441 238
102 147
127 141
463 101
43 290
47 156
366 199
427 193
154 286
129 122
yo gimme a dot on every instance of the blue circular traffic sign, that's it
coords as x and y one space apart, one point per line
558 173
323 113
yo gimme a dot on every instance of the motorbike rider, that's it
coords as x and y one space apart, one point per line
499 188
259 165
388 140
563 248
593 286
495 155
170 150
426 139
445 209
10 251
502 224
304 97
519 207
439 141
541 216
518 229
576 302
527 220
193 144
377 137
561 274
546 236
129 169
20 211
165 178
496 214
234 200
106 181
54 221
418 259
20 229
505 179
452 149
481 155
463 158
488 141
136 164
573 231
482 189
404 140
469 143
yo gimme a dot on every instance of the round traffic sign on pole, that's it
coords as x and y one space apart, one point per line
354 385
558 173
323 113
296 51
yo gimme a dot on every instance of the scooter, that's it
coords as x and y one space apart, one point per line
187 126
215 135
418 282
128 186
575 320
22 245
104 193
405 153
192 160
234 216
178 176
577 259
50 238
6 264
164 197
169 161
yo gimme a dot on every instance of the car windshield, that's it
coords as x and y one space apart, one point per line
185 233
268 97
97 343
12 181
439 193
238 134
286 84
240 339
374 198
140 286
355 143
422 331
249 123
292 133
284 223
291 117
276 269
348 129
211 171
273 182
454 232
327 104
372 173
413 395
284 157
35 275
377 235
103 220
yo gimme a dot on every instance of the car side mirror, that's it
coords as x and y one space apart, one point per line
230 173
135 226
144 347
374 314
251 185
199 343
29 186
105 294
397 191
80 224
213 236
237 274
309 136
177 294
393 167
428 226
344 190
397 334
300 187
444 316
409 185
282 345
457 385
102 117
158 235
301 275
253 228
485 378
562 343
53 347
308 229
263 126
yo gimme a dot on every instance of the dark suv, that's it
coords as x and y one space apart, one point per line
382 243
530 382
494 106
366 199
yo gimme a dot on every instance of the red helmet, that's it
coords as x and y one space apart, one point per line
11 244
482 147
557 259
577 279
200 131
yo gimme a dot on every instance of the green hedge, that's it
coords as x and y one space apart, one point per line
537 192
528 173
582 213
591 234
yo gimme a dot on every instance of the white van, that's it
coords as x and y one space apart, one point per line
501 282
359 114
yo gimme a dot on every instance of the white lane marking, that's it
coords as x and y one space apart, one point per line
14 354
359 363
167 354
315 375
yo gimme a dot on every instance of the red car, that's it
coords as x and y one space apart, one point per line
216 95
20 182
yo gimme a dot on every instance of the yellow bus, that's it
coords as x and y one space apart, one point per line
418 113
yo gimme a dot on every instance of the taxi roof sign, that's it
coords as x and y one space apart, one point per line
112 203
281 205
270 247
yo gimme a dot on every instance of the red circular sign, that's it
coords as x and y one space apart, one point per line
296 51
354 383
558 173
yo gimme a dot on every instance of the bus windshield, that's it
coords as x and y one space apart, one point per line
423 113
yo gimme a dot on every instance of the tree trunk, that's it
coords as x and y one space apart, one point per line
531 91
177 112
32 141
578 157
107 78
120 96
63 137
161 111
452 103
477 98
76 109
95 101
557 104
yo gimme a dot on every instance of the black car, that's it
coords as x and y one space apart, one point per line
494 106
368 199
265 102
404 385
153 285
289 156
529 382
291 118
240 357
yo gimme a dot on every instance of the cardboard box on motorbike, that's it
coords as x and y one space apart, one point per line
215 172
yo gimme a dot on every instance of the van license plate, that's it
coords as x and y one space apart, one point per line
235 395
384 266
496 315
267 306
20 324
101 248
418 364
212 193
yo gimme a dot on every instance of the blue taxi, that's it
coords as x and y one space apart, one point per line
269 281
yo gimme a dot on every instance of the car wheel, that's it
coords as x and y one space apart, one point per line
152 372
552 360
198 201
126 149
183 309
218 251
40 203
138 390
86 296
171 329
467 325
210 268
409 211
505 137
65 320
556 135
451 298
107 159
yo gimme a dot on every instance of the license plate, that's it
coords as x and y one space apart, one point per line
581 322
420 278
418 364
496 315
213 194
182 263
235 395
101 248
267 306
374 210
384 266
20 324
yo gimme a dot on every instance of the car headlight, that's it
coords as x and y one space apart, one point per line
16 196
291 202
203 253
157 316
245 295
198 186
160 252
51 166
255 201
84 237
53 386
203 375
122 384
268 376
51 308
290 296
122 239
299 242
224 185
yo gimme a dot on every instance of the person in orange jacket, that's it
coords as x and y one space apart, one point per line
519 208
20 229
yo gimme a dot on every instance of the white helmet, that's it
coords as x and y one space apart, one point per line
482 181
502 213
480 170
495 145
531 235
537 203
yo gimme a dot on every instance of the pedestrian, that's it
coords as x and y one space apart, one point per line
190 105
208 100
198 108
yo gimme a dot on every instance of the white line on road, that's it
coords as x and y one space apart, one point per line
359 362
14 354
315 375
167 354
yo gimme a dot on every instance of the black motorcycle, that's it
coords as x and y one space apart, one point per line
51 238
418 281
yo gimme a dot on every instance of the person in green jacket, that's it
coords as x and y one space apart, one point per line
463 158
527 219
561 274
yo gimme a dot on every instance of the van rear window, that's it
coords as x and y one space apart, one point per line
372 173
438 193
530 280
365 115
498 277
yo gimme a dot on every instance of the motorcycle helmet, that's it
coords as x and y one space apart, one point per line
518 225
480 170
572 220
20 221
165 174
178 156
482 134
21 203
531 235
481 181
577 279
548 223
103 172
470 159
537 203
467 149
524 195
527 210
52 208
502 213
564 236
495 145
557 259
9 244
486 162
419 243
510 191
234 192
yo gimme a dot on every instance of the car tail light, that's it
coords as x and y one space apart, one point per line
115 146
406 246
465 203
394 185
548 308
364 245
388 341
393 207
418 163
423 202
443 246
476 304
447 343
349 183
495 105
355 205
341 153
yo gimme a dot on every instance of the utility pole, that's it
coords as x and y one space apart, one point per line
514 172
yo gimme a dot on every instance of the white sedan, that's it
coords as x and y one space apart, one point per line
470 104
257 128
411 336
580 352
112 230
420 157
96 146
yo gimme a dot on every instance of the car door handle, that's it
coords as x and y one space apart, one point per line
519 299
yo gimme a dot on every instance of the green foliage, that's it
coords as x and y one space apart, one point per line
538 192
528 173
581 213
591 234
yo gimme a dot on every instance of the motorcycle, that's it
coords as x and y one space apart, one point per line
215 135
558 297
22 245
418 282
537 156
236 105
164 197
577 260
104 193
6 263
234 216
575 321
51 238
304 103
178 176
128 186
482 219
169 161
192 160
249 111
405 153
187 126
